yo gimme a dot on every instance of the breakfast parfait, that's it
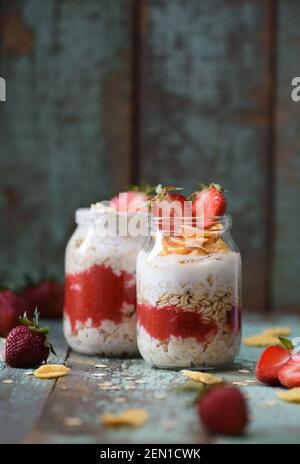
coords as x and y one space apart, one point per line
100 265
188 283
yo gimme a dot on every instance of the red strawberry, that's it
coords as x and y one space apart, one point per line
223 409
27 344
130 202
11 308
168 205
208 202
289 374
47 296
269 363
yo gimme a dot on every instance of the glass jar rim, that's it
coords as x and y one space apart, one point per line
86 214
225 220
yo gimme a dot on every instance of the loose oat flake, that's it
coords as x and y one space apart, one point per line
100 366
51 371
203 377
135 417
72 421
8 381
244 371
291 396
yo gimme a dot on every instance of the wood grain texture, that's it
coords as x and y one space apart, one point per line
65 126
287 225
173 419
22 402
204 104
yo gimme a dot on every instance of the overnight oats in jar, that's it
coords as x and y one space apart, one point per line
100 288
188 289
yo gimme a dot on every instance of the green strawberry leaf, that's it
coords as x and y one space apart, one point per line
286 343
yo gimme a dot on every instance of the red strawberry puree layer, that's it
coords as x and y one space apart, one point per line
164 322
98 294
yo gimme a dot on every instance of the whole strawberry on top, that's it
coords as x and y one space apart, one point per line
27 344
133 200
208 201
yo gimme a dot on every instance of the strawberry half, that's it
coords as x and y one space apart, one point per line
270 363
12 307
289 374
27 344
48 296
209 201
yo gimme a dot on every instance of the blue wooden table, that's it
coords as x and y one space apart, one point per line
68 410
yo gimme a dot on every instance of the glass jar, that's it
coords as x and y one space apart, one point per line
189 295
100 290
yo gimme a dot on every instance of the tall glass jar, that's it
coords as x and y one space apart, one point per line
100 290
189 295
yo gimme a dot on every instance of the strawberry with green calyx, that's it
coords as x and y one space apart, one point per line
208 201
27 344
168 205
142 187
134 200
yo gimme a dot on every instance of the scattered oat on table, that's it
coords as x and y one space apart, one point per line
244 371
140 381
240 384
159 396
100 366
120 399
135 417
267 404
7 381
72 421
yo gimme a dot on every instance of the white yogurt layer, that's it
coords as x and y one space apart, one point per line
109 339
187 352
178 274
86 248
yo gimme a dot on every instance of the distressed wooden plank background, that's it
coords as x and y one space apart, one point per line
100 93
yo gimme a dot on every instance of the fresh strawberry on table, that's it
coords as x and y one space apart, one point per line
47 296
12 307
270 362
223 409
208 201
289 374
27 344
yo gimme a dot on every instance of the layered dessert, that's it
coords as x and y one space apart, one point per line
188 295
100 288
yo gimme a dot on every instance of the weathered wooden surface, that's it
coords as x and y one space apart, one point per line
65 126
29 413
287 223
22 401
205 111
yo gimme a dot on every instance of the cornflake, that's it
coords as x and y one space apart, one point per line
135 417
51 371
292 395
203 377
262 340
277 331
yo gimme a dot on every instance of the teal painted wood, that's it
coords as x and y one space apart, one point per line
65 126
287 224
173 419
23 400
204 105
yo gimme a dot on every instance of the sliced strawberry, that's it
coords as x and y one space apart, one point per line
270 362
289 374
210 202
130 202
